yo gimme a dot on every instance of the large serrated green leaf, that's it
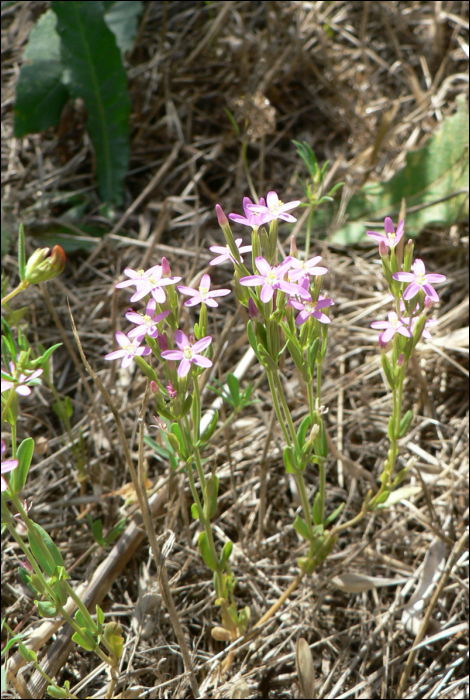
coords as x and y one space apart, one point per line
95 72
40 92
434 180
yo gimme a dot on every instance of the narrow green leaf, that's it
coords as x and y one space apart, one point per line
405 423
96 74
195 512
40 92
226 552
205 552
302 431
289 460
300 526
317 514
332 517
19 475
234 386
207 434
84 640
48 564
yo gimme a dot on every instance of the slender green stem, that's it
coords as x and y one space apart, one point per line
13 440
309 229
277 408
22 285
196 407
286 411
247 172
305 504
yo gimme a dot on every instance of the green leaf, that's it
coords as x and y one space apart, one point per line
387 368
332 517
212 493
289 460
46 609
96 74
234 386
208 432
390 499
99 618
40 92
436 172
300 526
226 552
186 407
317 514
115 532
19 475
302 431
195 512
84 640
121 18
47 564
205 552
405 423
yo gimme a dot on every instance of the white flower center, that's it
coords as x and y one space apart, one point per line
146 319
153 280
310 306
141 273
271 277
188 353
203 291
420 279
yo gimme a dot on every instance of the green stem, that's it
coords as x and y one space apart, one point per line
305 504
247 172
287 412
22 286
309 229
277 408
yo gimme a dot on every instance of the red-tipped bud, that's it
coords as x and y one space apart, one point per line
166 269
293 248
383 250
221 218
428 302
172 393
252 309
401 360
154 387
192 338
41 268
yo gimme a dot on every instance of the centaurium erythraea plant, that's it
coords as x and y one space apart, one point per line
225 254
130 348
203 293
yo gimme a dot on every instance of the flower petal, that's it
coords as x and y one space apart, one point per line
430 292
262 265
115 355
411 291
184 367
202 361
172 355
266 293
188 290
202 344
252 281
272 200
181 339
435 277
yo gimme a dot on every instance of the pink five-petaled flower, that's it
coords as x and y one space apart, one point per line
134 275
251 218
389 237
188 353
271 278
152 282
390 327
311 308
275 209
7 466
303 268
418 279
146 324
224 253
430 323
202 294
129 348
21 383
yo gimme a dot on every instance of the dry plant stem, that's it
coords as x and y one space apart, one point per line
455 554
142 497
275 607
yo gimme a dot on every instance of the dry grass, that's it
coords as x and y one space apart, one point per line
332 72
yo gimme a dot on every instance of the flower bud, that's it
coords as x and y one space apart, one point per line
172 393
408 259
162 341
166 269
382 343
401 360
154 387
252 309
383 250
221 218
40 268
293 248
428 302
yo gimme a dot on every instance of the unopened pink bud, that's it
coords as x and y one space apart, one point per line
154 387
166 269
401 360
172 393
221 218
252 309
428 302
382 343
192 338
162 341
383 250
293 248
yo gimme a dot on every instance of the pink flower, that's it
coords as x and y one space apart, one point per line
271 278
7 466
134 275
202 294
172 393
419 280
188 353
151 282
275 209
302 268
129 348
311 308
225 254
390 327
146 324
251 218
22 383
389 238
430 323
